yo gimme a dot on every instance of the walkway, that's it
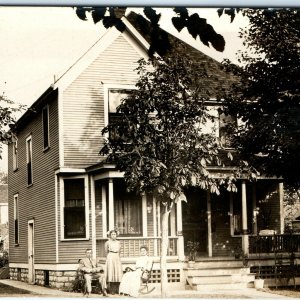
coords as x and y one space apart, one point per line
246 293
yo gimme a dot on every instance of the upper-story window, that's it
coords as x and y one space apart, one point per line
75 218
226 123
46 126
15 154
29 159
16 218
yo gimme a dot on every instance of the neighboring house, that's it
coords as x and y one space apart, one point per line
3 217
63 197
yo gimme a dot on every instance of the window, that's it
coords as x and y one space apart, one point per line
15 155
16 218
128 211
115 96
29 160
46 126
226 124
74 209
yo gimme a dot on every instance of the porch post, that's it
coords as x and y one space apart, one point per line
280 192
111 221
209 232
93 217
245 237
254 207
104 210
144 214
180 240
154 226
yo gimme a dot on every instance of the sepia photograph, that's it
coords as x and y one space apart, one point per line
149 152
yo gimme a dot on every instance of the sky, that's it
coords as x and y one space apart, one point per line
41 43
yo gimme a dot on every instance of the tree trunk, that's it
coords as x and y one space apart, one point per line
164 251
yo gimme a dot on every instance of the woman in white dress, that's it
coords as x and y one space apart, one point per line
113 266
131 281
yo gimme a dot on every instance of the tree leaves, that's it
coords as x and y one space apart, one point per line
159 41
268 98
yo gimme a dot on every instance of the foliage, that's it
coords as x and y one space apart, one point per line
3 259
159 140
267 98
192 248
291 206
159 41
8 109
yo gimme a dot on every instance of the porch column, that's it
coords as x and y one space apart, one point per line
280 194
245 237
180 240
254 207
209 232
144 214
111 221
104 210
93 217
154 226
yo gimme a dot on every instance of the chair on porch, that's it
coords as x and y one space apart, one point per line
145 278
80 285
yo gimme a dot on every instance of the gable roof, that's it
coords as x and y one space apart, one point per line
216 78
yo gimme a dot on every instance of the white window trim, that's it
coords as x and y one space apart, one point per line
16 217
109 86
62 205
29 138
48 133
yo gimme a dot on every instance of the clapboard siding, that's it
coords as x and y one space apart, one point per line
83 102
37 200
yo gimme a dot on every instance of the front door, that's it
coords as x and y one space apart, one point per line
31 275
194 220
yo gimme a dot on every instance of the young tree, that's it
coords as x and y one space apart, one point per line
159 140
267 100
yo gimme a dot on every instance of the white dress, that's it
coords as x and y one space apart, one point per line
131 281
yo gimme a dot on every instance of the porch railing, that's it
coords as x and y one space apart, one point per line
130 247
280 243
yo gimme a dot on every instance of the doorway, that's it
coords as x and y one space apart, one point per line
194 220
31 273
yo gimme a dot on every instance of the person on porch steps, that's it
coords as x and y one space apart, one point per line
91 269
113 265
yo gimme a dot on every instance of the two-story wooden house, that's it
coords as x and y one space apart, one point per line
63 197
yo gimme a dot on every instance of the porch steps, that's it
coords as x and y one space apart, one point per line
206 275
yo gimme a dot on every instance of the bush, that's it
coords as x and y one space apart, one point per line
3 259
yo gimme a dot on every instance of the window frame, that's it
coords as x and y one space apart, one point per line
16 220
29 160
15 155
46 133
62 206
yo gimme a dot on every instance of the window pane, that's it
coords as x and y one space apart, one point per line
74 210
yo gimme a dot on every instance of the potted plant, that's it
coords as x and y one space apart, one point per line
192 248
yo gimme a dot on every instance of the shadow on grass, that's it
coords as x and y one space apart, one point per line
9 290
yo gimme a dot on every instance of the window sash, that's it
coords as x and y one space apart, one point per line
29 160
74 209
46 126
16 219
